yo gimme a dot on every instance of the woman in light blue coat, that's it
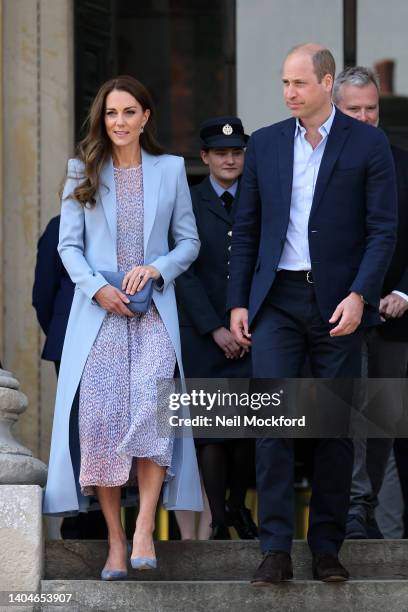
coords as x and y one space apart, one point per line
122 197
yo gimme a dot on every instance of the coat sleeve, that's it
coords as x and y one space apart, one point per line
48 272
183 231
381 222
71 236
192 296
245 234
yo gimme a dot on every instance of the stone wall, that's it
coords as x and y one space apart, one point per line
37 138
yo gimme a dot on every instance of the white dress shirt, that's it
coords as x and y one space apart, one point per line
306 164
401 294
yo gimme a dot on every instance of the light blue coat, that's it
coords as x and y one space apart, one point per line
88 244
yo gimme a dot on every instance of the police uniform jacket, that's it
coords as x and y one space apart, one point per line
202 290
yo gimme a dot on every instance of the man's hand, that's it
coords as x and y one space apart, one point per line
239 327
113 300
137 277
227 343
393 306
348 313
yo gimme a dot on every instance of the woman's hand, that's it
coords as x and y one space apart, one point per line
113 300
137 277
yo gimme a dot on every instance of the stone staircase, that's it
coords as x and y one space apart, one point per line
214 576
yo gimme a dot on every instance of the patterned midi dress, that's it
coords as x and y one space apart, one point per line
119 413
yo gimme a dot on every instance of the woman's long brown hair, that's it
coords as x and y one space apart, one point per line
96 147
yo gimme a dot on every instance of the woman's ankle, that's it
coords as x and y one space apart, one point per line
117 538
145 525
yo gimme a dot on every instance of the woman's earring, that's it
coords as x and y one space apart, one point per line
142 129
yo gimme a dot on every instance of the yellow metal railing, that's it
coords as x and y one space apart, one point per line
302 501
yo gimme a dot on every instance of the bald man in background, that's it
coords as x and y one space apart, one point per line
313 236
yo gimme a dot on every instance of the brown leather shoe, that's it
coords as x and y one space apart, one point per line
327 567
276 566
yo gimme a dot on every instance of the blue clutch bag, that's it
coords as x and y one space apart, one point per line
141 300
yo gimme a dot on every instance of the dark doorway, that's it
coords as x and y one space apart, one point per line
349 33
183 51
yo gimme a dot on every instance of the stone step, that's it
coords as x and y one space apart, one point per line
223 560
226 596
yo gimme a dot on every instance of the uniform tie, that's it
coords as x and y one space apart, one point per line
228 199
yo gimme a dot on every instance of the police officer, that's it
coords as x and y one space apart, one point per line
202 290
209 349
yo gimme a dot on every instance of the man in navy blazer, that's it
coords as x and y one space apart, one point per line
313 236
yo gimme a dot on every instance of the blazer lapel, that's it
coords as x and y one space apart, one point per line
108 196
151 185
286 144
234 208
214 203
338 134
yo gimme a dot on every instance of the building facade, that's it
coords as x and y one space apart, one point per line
198 58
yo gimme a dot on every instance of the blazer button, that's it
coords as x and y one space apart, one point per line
227 276
229 248
230 233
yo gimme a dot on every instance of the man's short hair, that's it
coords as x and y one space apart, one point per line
323 63
322 60
359 76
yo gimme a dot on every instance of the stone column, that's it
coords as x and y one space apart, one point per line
37 139
21 479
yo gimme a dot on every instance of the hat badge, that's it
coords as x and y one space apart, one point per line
227 129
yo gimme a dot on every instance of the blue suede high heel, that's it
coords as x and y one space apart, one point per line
115 574
143 563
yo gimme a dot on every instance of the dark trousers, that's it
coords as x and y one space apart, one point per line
401 459
289 329
384 359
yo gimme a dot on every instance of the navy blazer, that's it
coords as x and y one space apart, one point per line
397 274
53 292
352 223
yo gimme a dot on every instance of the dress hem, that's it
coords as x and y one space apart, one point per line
88 490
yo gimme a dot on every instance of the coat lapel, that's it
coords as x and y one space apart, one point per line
151 186
108 196
286 143
214 203
338 134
